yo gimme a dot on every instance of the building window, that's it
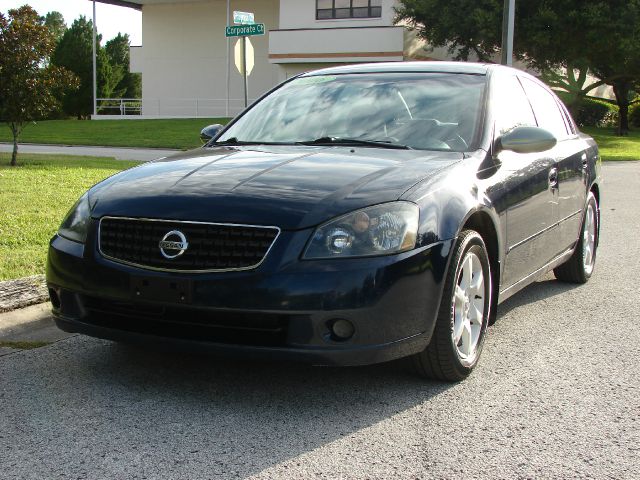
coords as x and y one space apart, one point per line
331 9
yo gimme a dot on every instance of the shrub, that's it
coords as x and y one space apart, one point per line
590 112
634 115
596 113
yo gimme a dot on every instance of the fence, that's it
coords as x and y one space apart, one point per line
119 106
170 107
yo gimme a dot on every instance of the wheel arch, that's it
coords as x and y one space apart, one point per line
481 222
595 189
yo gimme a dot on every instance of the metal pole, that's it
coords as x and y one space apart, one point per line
228 57
508 20
244 71
95 76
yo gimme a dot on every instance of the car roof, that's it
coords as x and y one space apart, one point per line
414 67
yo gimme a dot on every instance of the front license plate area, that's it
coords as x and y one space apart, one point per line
169 290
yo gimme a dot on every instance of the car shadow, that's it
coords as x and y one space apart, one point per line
248 416
540 290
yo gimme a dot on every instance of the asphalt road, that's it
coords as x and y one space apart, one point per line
557 395
134 154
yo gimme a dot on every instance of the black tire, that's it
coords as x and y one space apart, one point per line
575 270
441 359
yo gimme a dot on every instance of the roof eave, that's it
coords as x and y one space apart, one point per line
121 3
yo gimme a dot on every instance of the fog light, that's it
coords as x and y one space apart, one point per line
342 329
55 298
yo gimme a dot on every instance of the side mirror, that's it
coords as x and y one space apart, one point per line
526 140
210 131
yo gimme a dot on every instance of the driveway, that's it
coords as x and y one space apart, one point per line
135 154
556 395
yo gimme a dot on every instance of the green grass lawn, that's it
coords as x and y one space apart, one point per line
34 198
612 147
179 133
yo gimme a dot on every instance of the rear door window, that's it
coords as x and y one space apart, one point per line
546 108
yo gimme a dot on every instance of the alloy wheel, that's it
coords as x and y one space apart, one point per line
468 308
589 240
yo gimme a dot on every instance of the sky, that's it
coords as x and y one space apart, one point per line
110 19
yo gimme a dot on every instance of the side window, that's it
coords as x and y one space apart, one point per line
548 113
511 106
571 126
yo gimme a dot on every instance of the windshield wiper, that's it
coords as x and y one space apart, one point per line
235 141
355 141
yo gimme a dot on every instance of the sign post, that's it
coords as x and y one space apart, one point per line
245 74
243 31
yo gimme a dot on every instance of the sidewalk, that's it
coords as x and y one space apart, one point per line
28 328
119 153
25 315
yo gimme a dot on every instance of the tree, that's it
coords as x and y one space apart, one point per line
601 35
29 84
75 52
55 23
573 81
118 51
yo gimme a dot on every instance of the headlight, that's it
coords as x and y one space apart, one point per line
74 226
379 230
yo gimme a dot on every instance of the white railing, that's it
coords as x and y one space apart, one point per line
171 107
119 106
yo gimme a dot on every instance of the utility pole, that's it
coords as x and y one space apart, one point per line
508 20
95 76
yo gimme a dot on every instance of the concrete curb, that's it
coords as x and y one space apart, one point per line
22 292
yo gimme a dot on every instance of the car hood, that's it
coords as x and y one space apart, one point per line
291 187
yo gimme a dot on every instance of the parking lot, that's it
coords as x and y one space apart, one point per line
556 395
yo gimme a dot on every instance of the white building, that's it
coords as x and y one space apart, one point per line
184 51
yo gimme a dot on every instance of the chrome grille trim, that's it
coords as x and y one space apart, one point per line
175 270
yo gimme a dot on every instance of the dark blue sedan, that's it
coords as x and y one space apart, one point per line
352 215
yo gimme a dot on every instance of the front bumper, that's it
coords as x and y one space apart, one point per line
282 310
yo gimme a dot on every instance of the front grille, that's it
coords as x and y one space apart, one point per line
211 246
237 328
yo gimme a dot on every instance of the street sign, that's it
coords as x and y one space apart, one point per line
243 18
250 56
244 30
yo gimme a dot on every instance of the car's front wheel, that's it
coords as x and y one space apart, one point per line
463 316
579 267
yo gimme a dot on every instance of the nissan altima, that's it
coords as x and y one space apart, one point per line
352 215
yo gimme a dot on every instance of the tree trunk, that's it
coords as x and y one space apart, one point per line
15 130
575 103
623 121
621 90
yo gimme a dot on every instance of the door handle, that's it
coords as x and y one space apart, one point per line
553 178
584 161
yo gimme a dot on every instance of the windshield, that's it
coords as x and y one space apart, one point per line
426 111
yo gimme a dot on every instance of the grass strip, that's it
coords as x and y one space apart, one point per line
184 134
614 148
174 133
